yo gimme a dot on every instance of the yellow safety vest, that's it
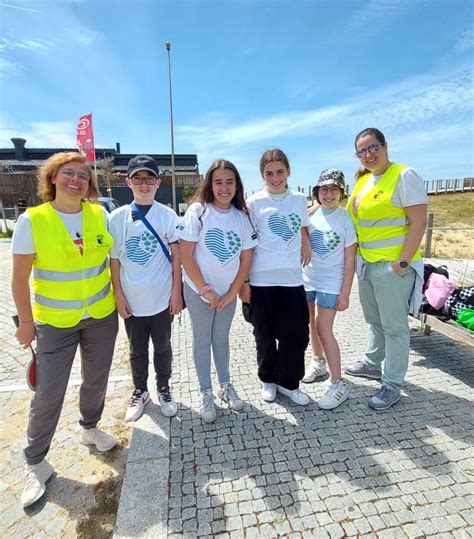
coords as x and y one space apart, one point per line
65 282
381 226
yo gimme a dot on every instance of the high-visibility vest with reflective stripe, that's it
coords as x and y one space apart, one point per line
381 226
65 282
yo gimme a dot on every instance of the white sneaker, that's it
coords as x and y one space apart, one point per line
228 394
296 395
137 405
316 369
35 483
168 405
99 438
208 408
335 395
269 391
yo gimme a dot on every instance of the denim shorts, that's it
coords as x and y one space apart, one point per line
322 299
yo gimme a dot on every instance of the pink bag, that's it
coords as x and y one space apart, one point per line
438 289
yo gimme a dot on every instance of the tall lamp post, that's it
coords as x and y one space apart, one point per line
173 175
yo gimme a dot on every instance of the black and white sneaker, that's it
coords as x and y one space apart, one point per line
168 405
137 405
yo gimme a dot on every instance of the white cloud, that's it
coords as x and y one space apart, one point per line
59 134
7 68
465 41
11 43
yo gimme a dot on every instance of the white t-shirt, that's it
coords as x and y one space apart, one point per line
24 244
145 272
329 235
219 237
409 191
277 258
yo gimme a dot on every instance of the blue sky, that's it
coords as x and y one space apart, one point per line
305 76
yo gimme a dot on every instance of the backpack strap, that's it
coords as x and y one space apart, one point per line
145 221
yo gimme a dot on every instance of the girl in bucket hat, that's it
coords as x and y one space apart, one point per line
328 281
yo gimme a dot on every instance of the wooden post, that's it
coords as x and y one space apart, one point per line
3 215
429 235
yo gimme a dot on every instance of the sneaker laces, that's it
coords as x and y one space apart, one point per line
136 397
165 394
386 392
229 393
207 402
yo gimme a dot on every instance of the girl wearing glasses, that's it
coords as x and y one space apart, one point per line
328 281
388 207
66 243
216 243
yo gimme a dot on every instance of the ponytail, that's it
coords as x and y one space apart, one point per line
361 171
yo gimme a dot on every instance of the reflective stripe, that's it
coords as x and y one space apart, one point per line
71 304
377 244
388 221
64 276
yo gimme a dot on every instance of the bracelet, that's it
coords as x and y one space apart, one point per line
25 321
206 288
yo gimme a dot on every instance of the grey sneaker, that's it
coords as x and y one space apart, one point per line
228 394
208 408
363 371
385 397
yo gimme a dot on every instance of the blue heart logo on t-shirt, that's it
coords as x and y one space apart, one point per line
324 243
141 248
223 245
284 226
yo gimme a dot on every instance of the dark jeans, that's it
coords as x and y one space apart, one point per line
139 330
279 315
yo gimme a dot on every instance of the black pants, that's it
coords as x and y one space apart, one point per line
139 330
279 315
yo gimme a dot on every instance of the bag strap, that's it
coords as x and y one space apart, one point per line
145 221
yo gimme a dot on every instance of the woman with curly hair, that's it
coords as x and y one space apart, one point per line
65 242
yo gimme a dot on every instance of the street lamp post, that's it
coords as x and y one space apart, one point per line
173 175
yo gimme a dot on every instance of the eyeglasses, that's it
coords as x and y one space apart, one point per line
149 180
69 173
332 190
373 148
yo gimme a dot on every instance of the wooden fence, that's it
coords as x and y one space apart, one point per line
438 187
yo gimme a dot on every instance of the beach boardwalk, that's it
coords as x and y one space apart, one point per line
272 470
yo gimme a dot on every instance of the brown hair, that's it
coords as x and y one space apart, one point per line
274 154
379 136
206 196
50 168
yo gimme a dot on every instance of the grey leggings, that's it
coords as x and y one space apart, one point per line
209 328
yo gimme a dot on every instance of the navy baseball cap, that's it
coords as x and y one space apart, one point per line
142 162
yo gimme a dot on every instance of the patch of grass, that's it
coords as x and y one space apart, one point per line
455 206
6 234
100 520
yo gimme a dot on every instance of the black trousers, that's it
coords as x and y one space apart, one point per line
280 317
139 330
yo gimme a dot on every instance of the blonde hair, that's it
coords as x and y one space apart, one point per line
50 168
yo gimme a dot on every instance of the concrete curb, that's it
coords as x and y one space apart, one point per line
143 506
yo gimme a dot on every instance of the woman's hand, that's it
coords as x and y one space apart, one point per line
212 298
342 302
176 302
306 252
25 334
226 299
245 293
123 307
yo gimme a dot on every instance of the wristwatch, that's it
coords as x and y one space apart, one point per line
403 264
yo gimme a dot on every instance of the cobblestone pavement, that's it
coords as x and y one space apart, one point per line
80 472
275 469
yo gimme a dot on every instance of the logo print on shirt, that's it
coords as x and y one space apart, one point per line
283 226
222 245
141 248
324 243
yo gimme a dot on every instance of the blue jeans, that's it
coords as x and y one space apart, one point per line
322 299
210 328
384 297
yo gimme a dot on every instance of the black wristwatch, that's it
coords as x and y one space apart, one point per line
403 264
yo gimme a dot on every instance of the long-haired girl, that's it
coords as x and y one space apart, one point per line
216 242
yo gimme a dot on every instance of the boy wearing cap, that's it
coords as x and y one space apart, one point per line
147 285
328 280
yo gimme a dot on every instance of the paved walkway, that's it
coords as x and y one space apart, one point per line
273 470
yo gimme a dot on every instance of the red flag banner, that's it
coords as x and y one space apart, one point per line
85 137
